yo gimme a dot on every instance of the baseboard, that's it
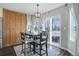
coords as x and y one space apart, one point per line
70 52
55 45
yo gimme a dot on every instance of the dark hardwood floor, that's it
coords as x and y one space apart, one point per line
7 51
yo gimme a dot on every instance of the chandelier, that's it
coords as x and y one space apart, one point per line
37 14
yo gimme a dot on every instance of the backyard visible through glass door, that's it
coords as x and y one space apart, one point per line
55 30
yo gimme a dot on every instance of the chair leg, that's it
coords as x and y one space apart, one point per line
40 49
22 49
30 47
46 50
33 48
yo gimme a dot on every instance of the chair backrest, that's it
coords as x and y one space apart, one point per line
44 36
22 35
27 36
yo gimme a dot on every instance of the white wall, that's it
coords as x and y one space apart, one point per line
0 32
72 48
76 9
1 12
1 15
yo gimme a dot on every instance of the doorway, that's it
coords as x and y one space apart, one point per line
53 27
55 30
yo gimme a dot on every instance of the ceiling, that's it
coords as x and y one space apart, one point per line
30 8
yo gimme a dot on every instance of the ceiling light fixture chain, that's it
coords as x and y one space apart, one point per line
37 9
37 14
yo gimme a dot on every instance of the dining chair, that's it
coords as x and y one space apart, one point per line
22 41
26 42
42 40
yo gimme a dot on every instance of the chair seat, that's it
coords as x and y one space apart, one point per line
44 37
29 40
38 41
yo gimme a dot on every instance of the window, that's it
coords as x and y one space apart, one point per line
47 24
56 23
73 24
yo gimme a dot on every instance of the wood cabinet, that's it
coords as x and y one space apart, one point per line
13 24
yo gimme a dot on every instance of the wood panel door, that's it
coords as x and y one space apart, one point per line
13 24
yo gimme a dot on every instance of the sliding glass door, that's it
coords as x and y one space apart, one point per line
53 27
55 30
